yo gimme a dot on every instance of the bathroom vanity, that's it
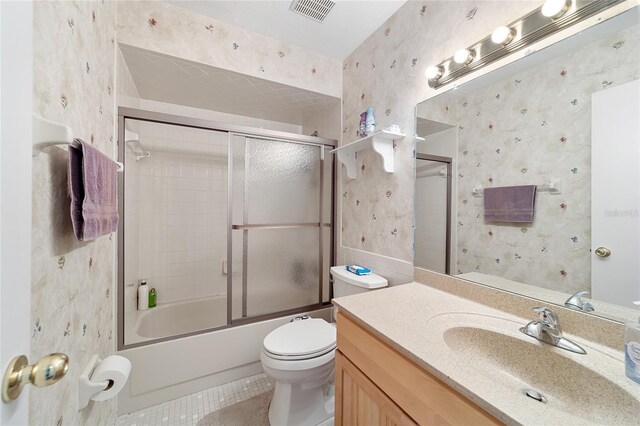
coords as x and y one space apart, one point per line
414 354
376 384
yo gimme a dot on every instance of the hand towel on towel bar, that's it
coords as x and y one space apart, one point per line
509 203
93 189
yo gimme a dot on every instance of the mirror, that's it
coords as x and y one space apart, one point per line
566 120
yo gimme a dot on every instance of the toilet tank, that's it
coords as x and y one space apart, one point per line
346 283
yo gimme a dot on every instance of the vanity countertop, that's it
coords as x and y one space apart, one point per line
413 318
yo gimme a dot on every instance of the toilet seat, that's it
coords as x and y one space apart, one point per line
300 340
299 357
296 365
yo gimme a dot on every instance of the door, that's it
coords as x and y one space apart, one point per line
433 213
16 55
280 226
615 189
360 402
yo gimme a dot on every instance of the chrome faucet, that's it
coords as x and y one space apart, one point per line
575 302
547 330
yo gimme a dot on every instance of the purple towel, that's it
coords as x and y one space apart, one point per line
509 203
93 190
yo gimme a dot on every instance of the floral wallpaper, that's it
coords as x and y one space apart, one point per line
162 27
508 137
72 282
387 72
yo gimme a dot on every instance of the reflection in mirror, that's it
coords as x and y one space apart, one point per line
433 200
565 119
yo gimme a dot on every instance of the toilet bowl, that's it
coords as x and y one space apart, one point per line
299 356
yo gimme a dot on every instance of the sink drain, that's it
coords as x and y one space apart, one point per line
534 394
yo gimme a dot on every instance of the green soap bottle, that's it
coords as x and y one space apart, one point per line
153 298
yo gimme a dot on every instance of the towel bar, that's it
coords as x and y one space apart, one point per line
47 133
553 187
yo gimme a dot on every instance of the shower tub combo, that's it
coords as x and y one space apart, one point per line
262 202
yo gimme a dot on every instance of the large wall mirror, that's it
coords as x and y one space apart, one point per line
566 119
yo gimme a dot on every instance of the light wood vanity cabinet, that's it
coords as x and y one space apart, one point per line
376 385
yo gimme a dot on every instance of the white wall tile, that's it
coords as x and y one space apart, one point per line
180 220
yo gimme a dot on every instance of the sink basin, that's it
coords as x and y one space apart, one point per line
578 385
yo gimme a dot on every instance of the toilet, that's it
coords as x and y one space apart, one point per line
300 355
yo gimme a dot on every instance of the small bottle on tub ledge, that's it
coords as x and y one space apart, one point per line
143 296
153 298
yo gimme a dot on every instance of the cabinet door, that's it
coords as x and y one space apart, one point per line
360 402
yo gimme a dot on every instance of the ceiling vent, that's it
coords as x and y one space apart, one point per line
314 9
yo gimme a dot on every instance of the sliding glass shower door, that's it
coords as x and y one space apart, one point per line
229 224
280 203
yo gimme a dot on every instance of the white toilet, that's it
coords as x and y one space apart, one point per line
299 356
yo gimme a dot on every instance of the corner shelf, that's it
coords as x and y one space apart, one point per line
381 142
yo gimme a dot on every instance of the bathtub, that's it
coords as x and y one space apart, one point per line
174 368
176 318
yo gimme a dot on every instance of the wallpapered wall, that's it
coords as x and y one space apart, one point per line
72 282
387 72
508 137
165 28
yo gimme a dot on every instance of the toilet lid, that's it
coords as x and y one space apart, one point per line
301 338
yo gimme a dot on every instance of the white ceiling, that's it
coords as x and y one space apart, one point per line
347 26
169 79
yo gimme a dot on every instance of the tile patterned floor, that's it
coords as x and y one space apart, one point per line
188 410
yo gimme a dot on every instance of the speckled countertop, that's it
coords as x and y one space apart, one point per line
479 351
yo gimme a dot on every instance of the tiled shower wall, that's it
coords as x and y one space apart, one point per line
181 212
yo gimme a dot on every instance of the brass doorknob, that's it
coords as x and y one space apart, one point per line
49 370
603 252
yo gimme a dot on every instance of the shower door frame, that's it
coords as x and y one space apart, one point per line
448 161
232 130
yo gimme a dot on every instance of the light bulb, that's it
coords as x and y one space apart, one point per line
555 8
503 35
434 72
464 56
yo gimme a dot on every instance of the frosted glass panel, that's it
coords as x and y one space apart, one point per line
282 182
279 183
326 260
282 269
237 277
327 204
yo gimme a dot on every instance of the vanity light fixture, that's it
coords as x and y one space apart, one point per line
503 35
434 72
464 56
555 8
515 36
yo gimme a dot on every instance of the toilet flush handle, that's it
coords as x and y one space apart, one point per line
300 318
